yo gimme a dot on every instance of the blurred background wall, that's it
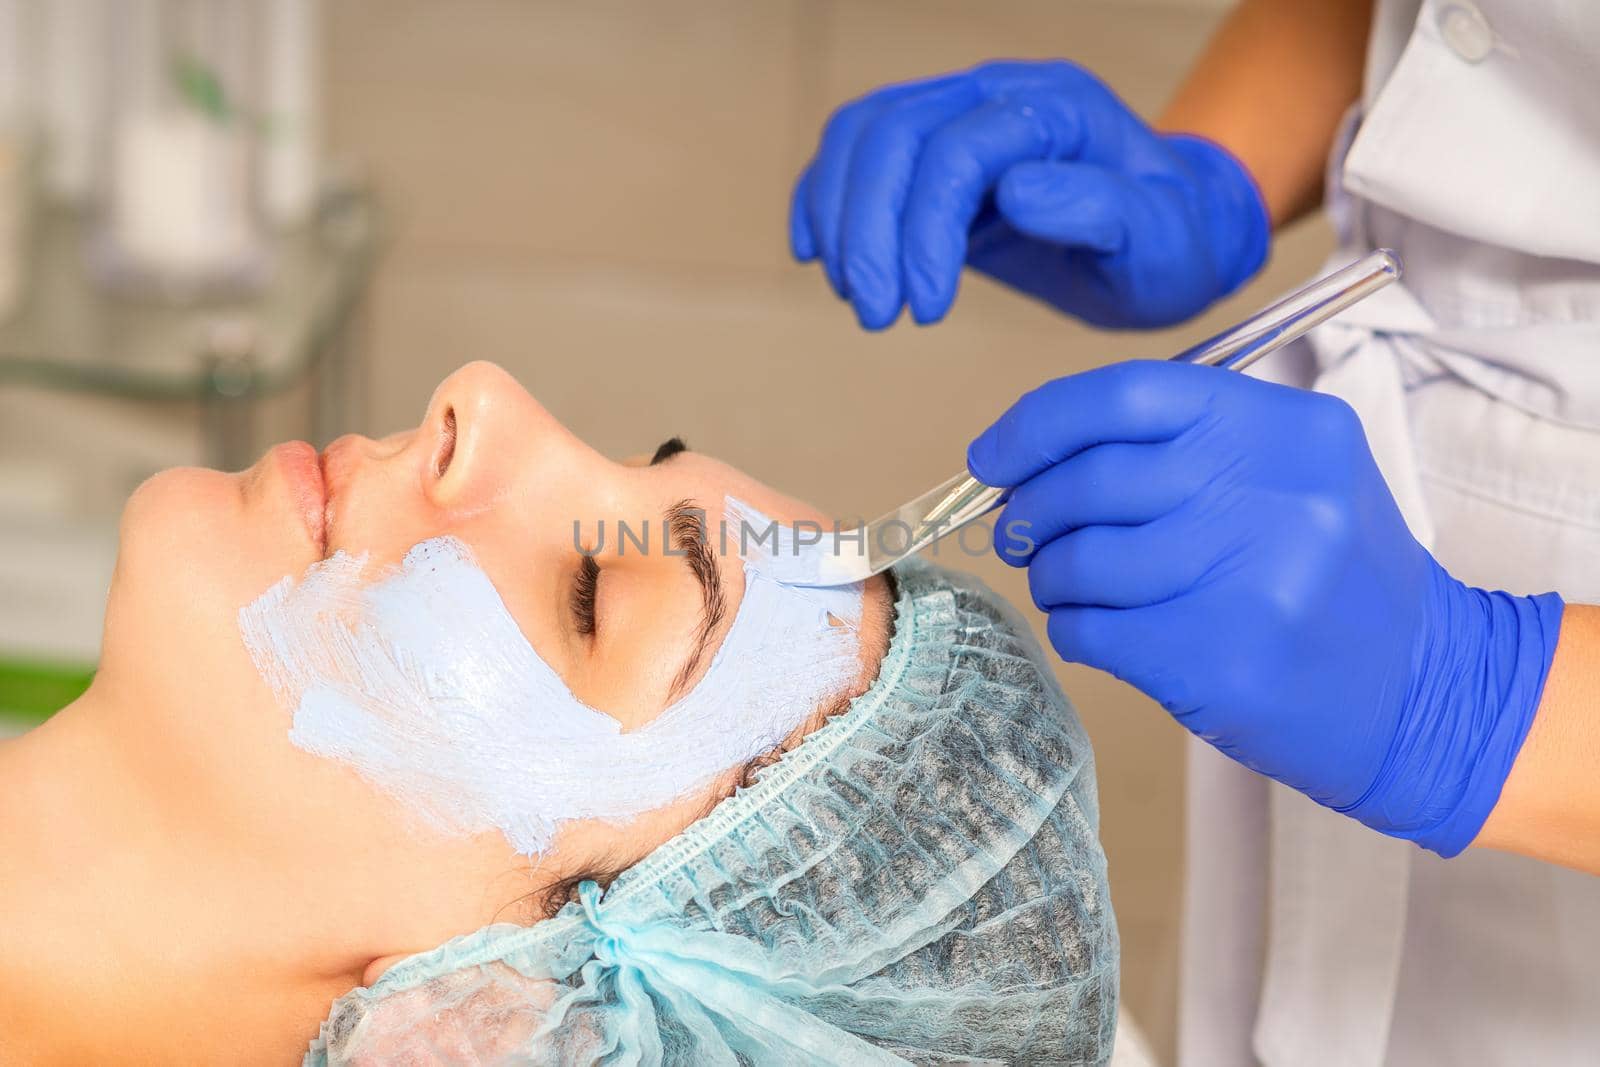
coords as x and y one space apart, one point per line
594 195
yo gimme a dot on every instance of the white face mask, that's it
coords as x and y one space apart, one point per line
420 679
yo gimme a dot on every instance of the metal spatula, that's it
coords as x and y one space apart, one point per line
958 500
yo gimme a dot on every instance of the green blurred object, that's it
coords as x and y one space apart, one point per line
31 692
199 84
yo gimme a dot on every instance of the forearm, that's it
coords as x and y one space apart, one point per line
1550 806
1271 88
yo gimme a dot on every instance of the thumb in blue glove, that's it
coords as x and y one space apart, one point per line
1230 548
1037 175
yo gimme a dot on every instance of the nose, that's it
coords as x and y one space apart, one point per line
487 435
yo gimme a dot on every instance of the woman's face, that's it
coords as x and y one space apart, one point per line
493 469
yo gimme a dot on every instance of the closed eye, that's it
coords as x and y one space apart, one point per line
586 583
583 595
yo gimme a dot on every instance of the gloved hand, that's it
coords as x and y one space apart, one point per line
1036 174
1229 547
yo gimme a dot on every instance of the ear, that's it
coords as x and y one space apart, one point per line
377 967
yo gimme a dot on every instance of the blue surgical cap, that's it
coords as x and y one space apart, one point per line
918 881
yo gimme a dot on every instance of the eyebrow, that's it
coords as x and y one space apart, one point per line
686 532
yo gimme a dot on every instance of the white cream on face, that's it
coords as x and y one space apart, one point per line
421 680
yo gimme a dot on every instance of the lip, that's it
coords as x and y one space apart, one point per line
301 467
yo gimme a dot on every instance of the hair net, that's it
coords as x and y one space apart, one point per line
920 880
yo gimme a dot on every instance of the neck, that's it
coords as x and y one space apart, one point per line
129 937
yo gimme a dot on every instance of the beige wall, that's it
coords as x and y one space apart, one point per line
594 195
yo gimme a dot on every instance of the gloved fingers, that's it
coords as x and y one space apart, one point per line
1113 485
881 169
1154 649
802 243
957 169
1119 566
1139 402
826 177
1097 637
830 170
1077 205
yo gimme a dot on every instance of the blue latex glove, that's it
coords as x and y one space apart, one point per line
1035 174
1229 547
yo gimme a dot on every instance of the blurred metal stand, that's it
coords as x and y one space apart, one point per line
227 354
222 356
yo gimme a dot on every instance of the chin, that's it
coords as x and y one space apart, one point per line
191 553
174 521
177 491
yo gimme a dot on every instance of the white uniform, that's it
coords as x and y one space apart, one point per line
1309 939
